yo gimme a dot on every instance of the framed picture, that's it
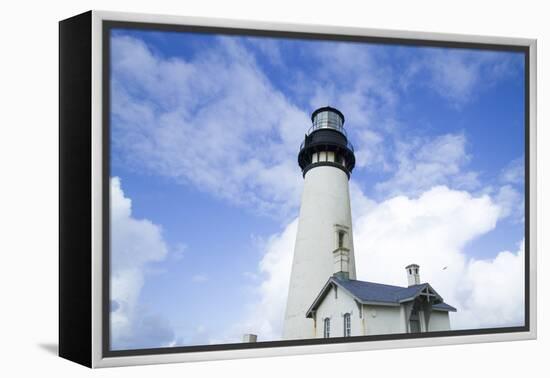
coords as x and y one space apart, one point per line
234 189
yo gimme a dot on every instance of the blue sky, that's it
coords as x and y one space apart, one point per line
205 185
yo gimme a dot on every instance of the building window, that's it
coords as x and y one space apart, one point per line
347 325
326 328
341 235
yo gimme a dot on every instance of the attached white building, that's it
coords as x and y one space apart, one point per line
347 307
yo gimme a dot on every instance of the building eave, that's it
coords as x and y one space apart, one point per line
374 303
451 309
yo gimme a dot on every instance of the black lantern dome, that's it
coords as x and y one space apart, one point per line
326 142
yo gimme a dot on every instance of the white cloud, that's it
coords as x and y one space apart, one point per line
200 278
275 266
511 202
269 47
453 76
431 230
457 75
495 289
214 122
510 195
426 162
514 172
372 151
134 244
422 163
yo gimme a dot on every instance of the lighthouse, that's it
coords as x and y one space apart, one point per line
324 240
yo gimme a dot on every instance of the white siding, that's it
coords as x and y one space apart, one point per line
335 308
439 321
382 320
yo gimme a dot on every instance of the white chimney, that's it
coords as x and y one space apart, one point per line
250 338
413 275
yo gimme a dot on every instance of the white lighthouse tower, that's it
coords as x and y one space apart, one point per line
324 241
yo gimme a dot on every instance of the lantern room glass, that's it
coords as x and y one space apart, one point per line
328 120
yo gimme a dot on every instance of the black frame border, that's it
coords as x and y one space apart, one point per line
75 189
108 25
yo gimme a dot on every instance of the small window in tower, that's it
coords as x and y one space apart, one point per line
410 271
338 159
347 325
416 271
326 328
341 235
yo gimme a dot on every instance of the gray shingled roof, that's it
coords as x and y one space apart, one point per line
375 292
444 307
371 292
